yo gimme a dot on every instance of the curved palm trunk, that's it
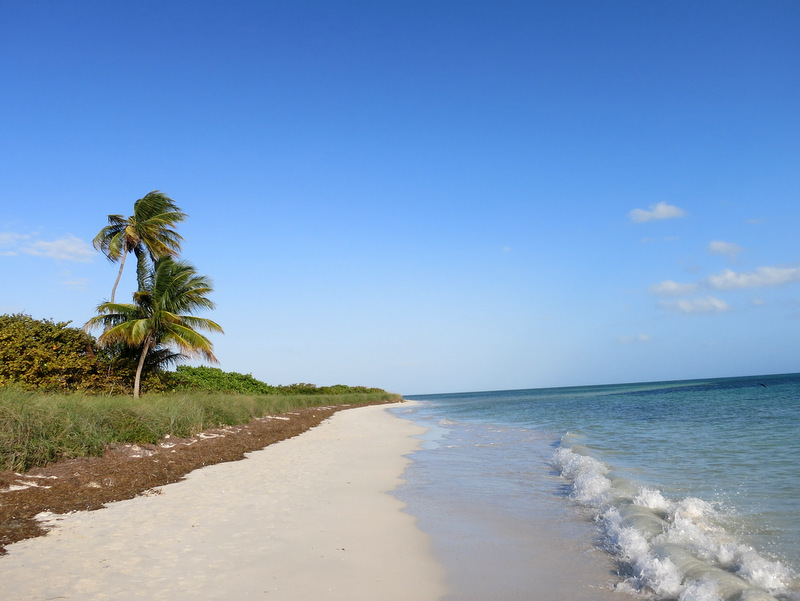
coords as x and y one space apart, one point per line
119 275
137 382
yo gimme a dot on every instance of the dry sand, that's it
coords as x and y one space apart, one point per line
306 518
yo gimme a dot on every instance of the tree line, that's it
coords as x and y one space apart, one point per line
48 356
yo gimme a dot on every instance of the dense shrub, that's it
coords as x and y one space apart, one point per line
335 389
47 355
213 379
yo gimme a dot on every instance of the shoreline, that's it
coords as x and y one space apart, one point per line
498 540
309 517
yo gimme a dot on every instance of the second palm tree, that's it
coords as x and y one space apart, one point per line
161 315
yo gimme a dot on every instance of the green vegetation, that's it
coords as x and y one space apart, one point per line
48 355
37 429
50 407
169 291
44 356
213 379
57 383
161 315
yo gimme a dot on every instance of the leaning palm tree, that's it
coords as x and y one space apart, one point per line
160 315
148 233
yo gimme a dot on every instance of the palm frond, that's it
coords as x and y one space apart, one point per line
202 323
190 342
161 315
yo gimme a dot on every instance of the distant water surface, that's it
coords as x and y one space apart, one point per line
692 487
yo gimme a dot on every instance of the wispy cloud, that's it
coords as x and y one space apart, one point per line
638 339
11 238
729 249
9 242
761 277
80 284
697 305
655 212
68 248
664 239
727 280
670 288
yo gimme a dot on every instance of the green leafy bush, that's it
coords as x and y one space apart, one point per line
216 380
47 355
213 379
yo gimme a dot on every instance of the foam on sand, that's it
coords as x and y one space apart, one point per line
307 518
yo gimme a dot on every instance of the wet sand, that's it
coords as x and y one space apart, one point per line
306 518
498 540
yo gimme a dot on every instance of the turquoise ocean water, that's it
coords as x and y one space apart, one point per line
691 488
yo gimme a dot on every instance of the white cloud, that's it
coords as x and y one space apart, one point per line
80 284
664 239
10 239
697 305
729 249
763 276
670 288
69 248
639 338
662 210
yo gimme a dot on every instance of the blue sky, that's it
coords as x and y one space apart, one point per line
423 196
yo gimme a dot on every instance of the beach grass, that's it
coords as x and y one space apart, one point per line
37 429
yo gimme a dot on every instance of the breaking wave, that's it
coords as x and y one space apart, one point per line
670 549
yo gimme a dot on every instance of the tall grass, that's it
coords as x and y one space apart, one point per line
37 429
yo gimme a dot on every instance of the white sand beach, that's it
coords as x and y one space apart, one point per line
306 518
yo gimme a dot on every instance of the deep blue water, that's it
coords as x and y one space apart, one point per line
694 486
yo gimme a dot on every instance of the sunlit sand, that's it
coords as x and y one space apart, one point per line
307 518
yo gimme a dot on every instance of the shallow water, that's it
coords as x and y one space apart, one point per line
670 490
498 522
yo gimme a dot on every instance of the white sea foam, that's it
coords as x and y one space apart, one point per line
651 499
700 590
589 483
674 549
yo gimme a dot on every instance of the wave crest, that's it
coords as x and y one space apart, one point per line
674 549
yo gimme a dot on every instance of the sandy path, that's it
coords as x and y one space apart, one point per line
303 519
